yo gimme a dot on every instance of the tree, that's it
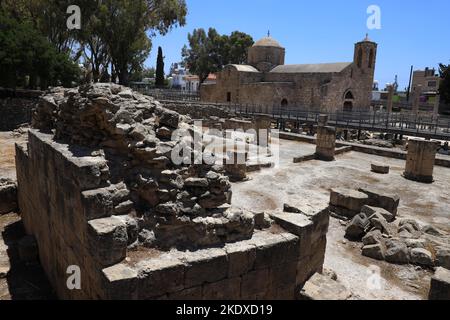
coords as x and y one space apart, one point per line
209 53
115 35
49 17
238 44
127 23
160 69
444 88
27 58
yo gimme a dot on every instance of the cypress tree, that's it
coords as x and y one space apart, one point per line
160 69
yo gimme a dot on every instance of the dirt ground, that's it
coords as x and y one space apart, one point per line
7 153
310 182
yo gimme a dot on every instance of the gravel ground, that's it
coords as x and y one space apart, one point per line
310 182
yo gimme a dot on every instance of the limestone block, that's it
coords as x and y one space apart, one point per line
285 293
283 275
227 289
120 282
107 239
187 294
321 287
160 275
369 211
372 237
374 251
440 285
378 168
293 222
397 252
97 203
380 199
421 257
8 196
273 249
241 258
205 266
255 282
347 202
420 160
443 257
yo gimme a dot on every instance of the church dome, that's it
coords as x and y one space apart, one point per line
267 42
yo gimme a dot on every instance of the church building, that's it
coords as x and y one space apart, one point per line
266 81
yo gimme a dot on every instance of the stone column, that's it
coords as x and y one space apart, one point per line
236 166
436 105
390 100
262 126
326 143
323 120
420 160
416 99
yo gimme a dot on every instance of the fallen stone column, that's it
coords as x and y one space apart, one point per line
420 161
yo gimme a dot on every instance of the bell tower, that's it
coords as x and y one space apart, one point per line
365 56
363 70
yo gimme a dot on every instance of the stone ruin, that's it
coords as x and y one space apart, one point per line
98 188
420 160
8 196
373 221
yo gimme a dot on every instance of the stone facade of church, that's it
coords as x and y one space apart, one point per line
267 81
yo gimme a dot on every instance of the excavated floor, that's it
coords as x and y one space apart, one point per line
310 182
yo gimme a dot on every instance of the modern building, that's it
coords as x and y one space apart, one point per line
427 82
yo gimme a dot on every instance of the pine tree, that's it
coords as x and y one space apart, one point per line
160 69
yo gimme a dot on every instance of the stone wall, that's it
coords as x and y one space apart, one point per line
198 110
100 198
55 196
16 107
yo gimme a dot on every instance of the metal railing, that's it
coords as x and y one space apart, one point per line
168 94
425 125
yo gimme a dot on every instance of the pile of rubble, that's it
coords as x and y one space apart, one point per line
151 180
8 196
373 222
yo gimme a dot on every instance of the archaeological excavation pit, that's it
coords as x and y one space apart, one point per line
98 189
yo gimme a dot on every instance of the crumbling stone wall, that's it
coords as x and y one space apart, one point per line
16 108
99 190
199 110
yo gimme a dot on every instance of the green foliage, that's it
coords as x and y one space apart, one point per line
160 69
209 53
27 58
140 75
444 89
114 35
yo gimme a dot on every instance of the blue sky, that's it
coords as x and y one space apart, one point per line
412 32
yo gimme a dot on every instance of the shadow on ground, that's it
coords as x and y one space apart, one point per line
25 280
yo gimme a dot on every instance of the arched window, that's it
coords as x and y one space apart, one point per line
371 56
349 96
284 103
359 59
